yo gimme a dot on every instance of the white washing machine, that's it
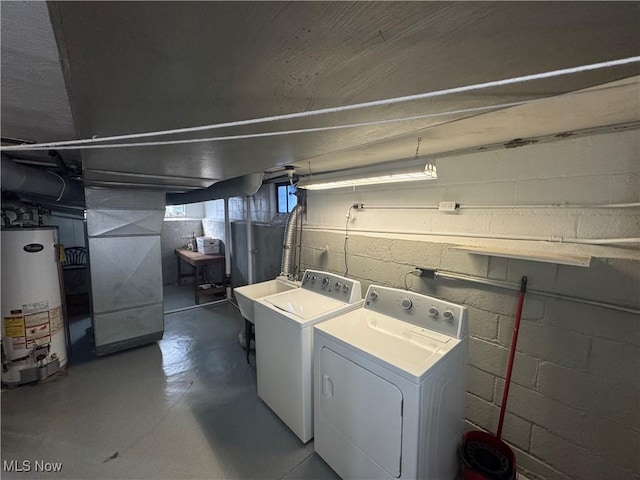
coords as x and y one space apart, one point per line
389 381
284 343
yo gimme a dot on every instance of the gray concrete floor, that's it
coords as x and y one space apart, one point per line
185 407
182 296
175 296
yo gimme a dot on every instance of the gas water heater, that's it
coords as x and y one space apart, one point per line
33 331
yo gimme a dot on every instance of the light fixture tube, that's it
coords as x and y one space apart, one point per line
428 173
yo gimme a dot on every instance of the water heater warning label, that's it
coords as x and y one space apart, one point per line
14 326
15 330
36 307
38 328
55 316
33 325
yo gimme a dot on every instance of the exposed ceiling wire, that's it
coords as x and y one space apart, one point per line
343 108
268 134
487 108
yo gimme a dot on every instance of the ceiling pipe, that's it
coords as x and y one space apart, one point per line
38 185
246 185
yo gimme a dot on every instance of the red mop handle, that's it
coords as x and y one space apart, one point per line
512 354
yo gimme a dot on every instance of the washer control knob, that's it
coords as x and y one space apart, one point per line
345 287
306 278
448 316
373 295
337 285
406 303
313 279
325 281
433 312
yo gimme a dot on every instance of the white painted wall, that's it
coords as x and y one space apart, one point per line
574 404
595 170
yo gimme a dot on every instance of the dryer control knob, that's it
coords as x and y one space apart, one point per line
406 303
337 285
325 281
345 287
448 316
373 295
313 279
433 312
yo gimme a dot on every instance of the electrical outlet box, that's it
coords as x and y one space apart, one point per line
448 206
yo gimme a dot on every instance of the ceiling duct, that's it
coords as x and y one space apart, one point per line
40 186
246 185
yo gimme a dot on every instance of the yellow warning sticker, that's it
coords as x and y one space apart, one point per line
14 326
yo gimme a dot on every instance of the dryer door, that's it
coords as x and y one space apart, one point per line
365 408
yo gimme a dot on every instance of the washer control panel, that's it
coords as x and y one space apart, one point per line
424 311
331 285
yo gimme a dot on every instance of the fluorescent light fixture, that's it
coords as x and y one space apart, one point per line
371 176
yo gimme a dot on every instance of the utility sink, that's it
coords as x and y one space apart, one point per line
249 293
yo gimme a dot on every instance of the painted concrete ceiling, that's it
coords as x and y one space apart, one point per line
131 67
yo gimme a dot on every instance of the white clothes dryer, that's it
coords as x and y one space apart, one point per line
389 381
284 343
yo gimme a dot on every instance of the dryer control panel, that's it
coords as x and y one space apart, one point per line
426 312
331 285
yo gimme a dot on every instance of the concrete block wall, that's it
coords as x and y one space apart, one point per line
590 170
574 404
214 228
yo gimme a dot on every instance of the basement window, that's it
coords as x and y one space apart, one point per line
175 211
287 198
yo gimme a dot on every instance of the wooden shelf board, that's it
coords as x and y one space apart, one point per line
558 258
